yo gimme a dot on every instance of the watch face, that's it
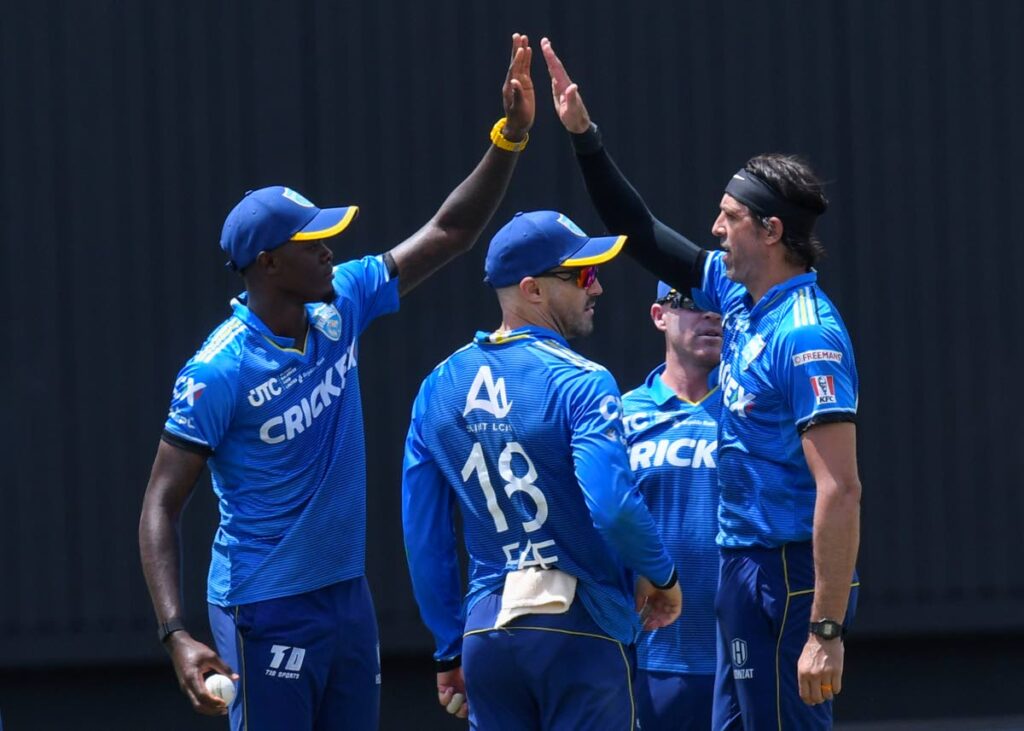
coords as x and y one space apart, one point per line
827 629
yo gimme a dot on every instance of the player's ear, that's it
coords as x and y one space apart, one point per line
774 229
530 289
658 317
268 262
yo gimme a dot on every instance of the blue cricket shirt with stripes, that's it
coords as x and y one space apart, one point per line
282 423
524 437
787 363
672 452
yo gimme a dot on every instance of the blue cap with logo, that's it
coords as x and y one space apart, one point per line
269 217
536 241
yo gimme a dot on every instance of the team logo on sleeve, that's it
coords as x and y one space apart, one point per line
824 389
496 403
809 356
327 320
186 389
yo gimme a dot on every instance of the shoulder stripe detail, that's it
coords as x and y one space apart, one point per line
805 308
567 355
224 335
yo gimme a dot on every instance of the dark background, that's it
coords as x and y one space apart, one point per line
129 129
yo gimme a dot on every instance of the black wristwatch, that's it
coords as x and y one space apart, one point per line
166 629
827 629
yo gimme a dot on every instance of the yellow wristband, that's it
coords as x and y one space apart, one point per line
499 139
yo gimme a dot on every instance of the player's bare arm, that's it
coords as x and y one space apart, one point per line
171 482
831 453
462 217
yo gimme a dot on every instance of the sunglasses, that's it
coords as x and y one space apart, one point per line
678 302
584 276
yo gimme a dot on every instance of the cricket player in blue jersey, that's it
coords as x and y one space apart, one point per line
789 508
524 437
671 423
271 403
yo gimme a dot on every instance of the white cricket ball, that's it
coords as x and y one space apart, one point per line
455 703
221 687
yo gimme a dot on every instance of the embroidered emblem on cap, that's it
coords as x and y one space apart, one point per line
297 198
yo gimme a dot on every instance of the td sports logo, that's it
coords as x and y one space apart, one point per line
299 417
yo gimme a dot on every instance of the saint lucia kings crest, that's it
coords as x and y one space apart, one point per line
327 320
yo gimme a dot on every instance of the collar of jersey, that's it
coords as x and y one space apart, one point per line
520 333
662 395
243 313
772 296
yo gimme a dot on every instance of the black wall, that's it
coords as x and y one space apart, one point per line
128 130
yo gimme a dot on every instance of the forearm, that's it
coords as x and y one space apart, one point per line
458 222
664 252
619 512
836 540
159 547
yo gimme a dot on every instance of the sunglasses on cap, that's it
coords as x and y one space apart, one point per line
584 276
677 301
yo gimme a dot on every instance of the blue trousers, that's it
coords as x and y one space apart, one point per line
309 662
546 672
674 701
764 606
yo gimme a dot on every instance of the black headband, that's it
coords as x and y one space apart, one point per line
764 200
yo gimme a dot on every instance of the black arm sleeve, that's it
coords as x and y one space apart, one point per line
659 249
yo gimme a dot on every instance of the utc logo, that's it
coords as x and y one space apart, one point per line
496 403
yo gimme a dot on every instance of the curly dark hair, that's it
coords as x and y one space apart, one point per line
795 181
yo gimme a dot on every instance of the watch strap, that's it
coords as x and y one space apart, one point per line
166 629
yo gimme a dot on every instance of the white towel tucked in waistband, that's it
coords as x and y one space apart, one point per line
535 591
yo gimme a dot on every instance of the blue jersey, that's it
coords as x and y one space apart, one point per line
672 446
283 425
787 363
525 436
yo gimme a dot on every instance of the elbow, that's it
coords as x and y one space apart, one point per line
847 491
455 240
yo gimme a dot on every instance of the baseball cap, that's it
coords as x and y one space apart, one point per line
269 217
536 241
664 289
692 299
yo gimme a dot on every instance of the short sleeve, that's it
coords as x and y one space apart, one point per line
820 377
714 284
202 404
366 285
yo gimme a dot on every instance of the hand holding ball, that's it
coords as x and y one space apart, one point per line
221 687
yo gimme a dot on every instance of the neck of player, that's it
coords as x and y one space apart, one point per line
687 379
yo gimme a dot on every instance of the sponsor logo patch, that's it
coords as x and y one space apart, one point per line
809 356
824 389
738 649
496 403
186 389
291 667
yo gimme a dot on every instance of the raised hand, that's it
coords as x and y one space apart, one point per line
517 91
568 103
